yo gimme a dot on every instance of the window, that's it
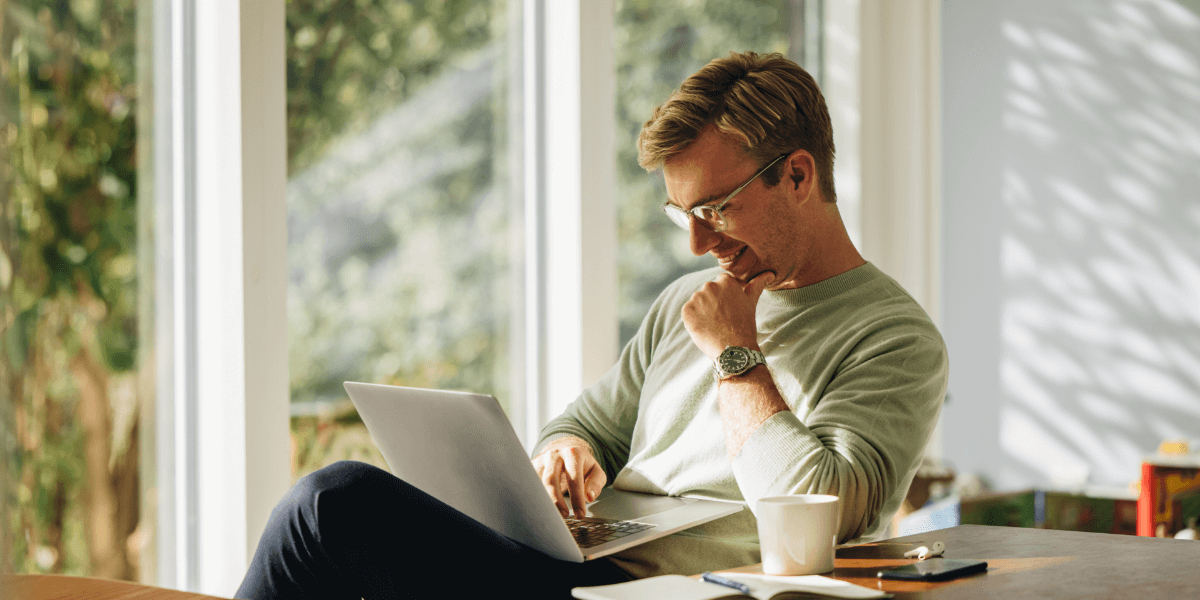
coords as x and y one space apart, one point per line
403 228
72 288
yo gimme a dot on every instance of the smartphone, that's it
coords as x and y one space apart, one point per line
934 569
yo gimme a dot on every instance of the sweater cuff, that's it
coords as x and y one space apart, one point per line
769 460
550 437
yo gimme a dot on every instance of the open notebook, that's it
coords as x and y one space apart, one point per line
762 587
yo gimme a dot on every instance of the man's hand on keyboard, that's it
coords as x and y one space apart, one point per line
568 469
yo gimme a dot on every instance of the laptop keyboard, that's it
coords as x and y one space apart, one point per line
593 531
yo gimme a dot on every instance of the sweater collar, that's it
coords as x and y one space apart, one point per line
823 290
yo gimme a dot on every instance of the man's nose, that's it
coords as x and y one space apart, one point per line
701 238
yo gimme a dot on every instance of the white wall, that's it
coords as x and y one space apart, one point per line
1071 230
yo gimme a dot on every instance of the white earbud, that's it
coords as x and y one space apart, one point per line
924 552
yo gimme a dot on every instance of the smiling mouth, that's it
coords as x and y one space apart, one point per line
728 260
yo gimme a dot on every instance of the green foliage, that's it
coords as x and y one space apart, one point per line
68 285
71 217
348 61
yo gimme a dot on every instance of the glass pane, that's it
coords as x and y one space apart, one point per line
659 43
399 244
69 305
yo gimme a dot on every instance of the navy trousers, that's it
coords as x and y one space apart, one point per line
354 531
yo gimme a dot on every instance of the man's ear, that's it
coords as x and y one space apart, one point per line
803 172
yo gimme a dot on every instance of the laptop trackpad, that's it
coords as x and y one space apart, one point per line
614 504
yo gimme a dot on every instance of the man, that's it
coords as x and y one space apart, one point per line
839 385
855 372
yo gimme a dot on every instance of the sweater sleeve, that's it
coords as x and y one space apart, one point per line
605 414
864 433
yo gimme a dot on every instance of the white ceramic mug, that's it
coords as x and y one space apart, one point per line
797 533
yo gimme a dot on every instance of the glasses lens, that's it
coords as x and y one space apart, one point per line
710 218
678 216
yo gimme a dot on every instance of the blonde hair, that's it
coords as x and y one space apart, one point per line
768 102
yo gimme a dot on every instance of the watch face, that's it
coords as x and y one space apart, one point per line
734 360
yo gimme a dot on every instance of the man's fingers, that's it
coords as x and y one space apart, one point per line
724 279
595 481
552 475
569 469
755 287
575 474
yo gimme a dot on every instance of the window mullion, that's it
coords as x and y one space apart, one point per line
571 278
223 394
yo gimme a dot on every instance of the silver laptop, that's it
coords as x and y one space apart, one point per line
461 449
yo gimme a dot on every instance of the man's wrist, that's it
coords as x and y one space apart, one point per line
735 361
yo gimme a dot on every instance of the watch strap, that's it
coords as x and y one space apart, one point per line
739 360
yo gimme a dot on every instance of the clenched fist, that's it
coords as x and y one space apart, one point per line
721 313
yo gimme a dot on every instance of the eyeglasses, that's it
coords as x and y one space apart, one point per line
709 215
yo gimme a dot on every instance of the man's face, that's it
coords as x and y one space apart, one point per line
765 231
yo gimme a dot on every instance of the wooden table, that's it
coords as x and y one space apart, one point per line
54 587
1022 563
1033 563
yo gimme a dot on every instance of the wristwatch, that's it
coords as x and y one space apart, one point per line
735 360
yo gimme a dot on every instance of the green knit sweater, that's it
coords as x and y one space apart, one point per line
859 363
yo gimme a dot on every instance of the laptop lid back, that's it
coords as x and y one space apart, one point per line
461 449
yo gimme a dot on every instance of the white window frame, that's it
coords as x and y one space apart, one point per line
222 443
900 137
570 203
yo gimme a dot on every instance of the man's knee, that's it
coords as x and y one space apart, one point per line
348 478
340 475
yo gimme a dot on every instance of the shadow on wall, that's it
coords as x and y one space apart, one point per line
1100 244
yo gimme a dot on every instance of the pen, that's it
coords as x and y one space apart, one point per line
729 583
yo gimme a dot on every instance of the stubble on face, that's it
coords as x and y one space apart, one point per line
767 241
761 222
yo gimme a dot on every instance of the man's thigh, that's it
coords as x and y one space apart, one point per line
397 541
